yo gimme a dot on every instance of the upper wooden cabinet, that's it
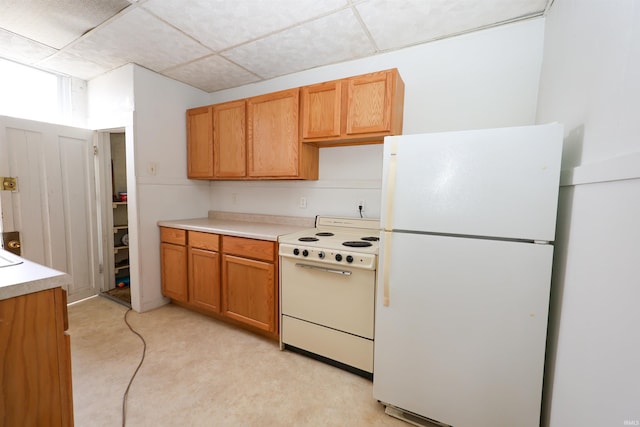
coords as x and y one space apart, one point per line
274 148
277 135
229 140
361 109
200 143
321 106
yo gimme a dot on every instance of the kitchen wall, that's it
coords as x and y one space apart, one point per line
483 79
151 108
590 82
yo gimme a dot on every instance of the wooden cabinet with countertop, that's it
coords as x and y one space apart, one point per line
230 278
36 360
355 110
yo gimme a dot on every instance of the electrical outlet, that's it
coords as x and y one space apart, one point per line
360 206
302 204
234 198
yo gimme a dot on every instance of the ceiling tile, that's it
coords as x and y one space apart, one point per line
212 73
395 24
220 24
74 65
141 38
56 23
21 49
305 46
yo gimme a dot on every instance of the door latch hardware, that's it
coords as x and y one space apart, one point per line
13 244
9 183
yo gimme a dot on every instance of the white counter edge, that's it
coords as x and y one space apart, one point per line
29 277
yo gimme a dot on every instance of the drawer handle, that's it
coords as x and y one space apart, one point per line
325 269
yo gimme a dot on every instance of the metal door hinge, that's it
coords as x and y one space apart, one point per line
9 183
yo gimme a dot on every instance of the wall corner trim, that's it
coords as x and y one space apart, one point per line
616 169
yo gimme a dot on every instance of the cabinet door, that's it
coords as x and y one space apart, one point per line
272 134
173 259
35 373
229 140
199 143
248 291
204 279
321 109
369 103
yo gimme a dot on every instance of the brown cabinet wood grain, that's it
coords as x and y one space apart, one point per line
322 107
173 262
200 143
204 270
249 284
248 292
36 360
204 279
355 110
231 278
274 148
229 139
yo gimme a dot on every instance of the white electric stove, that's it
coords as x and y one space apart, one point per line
327 291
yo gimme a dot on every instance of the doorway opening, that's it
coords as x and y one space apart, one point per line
115 208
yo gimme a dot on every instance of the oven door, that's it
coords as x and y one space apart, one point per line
337 297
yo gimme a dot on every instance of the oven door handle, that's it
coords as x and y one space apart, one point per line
325 269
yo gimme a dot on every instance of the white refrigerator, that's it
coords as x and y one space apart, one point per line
464 274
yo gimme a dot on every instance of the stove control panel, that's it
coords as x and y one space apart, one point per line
328 256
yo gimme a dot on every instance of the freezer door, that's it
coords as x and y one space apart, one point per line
495 182
462 340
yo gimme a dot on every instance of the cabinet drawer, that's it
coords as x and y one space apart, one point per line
250 248
209 241
173 235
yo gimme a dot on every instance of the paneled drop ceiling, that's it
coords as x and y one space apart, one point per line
219 44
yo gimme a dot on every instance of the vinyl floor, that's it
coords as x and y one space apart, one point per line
198 371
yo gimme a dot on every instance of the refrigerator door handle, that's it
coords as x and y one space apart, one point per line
385 268
391 183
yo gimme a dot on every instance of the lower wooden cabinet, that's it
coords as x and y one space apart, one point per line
230 278
174 271
204 271
35 354
248 291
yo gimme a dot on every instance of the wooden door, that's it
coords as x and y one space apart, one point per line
199 143
369 103
173 261
321 109
55 206
272 134
229 139
204 279
248 291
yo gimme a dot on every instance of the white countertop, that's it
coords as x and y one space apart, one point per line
25 277
261 227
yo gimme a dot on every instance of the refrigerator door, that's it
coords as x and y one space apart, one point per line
494 182
462 340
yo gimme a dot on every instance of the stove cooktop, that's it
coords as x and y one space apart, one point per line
350 234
